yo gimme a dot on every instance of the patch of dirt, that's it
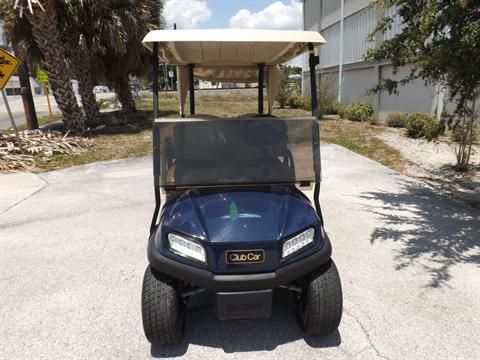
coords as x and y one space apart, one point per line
433 163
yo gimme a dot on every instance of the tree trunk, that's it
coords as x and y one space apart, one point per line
82 68
45 34
122 88
470 133
466 140
27 97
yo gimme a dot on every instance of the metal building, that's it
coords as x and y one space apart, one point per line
358 76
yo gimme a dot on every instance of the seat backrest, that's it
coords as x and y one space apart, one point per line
195 142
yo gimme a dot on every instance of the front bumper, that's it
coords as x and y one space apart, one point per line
238 282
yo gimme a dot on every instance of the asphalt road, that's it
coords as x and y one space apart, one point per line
41 107
73 257
16 106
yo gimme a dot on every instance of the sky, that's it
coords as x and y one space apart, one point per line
217 14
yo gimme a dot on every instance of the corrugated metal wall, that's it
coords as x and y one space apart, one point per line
355 33
396 26
329 52
356 29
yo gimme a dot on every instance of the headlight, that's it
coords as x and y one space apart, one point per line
297 242
186 247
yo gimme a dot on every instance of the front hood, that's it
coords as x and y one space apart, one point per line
269 214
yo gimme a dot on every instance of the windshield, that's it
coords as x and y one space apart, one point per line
206 152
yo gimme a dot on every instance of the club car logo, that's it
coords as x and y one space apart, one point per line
244 256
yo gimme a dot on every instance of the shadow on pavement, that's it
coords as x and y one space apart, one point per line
202 328
430 227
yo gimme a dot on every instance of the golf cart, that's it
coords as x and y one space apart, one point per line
237 214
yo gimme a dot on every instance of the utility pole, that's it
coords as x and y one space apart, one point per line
340 60
27 98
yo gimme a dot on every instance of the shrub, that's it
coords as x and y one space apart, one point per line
423 125
456 134
299 102
326 96
331 107
341 110
358 112
397 119
287 88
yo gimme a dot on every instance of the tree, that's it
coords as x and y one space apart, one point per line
16 31
42 22
289 87
97 40
77 26
441 40
118 47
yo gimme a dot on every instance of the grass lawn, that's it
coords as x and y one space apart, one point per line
134 139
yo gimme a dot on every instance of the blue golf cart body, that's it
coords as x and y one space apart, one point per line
237 216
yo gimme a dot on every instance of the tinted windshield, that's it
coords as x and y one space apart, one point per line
197 152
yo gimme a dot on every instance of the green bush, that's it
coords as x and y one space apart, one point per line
299 102
423 125
341 110
326 96
397 119
457 133
331 107
358 112
287 88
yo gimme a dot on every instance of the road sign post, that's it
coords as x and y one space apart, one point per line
42 78
8 66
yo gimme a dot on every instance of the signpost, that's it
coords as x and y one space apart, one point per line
42 78
8 66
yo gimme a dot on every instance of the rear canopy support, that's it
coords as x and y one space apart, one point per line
261 70
313 62
155 79
191 84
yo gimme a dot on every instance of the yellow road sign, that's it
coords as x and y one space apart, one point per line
8 66
41 76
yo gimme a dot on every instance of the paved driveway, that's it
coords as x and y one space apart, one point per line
73 256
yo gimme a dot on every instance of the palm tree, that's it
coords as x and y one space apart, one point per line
99 39
119 47
42 21
77 28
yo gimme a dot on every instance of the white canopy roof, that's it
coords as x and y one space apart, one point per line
231 47
230 55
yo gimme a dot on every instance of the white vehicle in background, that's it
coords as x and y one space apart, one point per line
100 89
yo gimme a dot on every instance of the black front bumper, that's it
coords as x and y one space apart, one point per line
243 282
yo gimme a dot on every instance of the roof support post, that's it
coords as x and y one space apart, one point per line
155 79
261 73
313 62
191 89
340 53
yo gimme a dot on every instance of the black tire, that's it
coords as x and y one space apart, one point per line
321 305
162 309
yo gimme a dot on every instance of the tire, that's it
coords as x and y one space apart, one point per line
321 304
162 310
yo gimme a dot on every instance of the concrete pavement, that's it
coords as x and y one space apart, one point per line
16 187
74 253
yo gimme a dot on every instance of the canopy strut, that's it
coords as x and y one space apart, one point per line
261 69
312 62
155 79
191 84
